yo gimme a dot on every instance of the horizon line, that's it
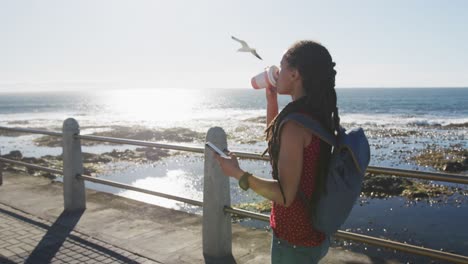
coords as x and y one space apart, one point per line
209 88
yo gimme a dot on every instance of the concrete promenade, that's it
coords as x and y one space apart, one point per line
113 229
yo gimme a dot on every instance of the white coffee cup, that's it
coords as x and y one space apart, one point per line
266 78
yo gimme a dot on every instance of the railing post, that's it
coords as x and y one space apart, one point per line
217 234
73 188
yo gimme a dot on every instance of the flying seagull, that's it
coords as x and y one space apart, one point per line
246 48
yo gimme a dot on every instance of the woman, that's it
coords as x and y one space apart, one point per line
298 158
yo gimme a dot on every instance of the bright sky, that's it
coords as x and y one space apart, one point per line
87 44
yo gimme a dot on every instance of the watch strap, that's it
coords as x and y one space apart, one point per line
244 181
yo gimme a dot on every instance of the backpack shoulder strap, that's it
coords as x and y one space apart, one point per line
313 125
356 142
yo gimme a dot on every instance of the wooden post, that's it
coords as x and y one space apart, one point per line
73 188
217 233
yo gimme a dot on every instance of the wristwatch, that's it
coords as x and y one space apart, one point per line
244 181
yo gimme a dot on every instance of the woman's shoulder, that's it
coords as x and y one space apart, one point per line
293 130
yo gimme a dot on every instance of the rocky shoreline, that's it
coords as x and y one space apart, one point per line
92 163
452 159
176 134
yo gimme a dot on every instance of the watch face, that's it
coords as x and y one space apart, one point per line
244 182
243 185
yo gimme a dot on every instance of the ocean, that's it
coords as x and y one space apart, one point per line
395 120
400 123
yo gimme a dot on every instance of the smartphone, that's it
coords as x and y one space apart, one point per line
217 150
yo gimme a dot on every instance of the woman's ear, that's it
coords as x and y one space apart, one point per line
295 74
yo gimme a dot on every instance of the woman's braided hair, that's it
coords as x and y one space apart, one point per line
316 68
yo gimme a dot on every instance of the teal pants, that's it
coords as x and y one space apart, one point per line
283 252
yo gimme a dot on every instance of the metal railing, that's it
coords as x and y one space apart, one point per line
408 248
447 177
133 188
434 176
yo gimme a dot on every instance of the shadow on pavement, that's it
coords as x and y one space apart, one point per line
6 261
56 235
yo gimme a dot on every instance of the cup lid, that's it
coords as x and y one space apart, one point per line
273 74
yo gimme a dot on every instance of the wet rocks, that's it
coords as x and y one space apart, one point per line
92 163
461 125
48 141
14 155
452 159
96 158
153 154
260 119
455 166
176 134
180 134
17 155
382 185
427 190
7 133
261 207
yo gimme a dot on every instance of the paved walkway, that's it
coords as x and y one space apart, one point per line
113 229
29 239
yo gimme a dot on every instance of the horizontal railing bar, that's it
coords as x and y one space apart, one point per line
368 239
133 188
432 253
140 143
454 178
241 212
106 182
434 176
32 131
247 155
33 166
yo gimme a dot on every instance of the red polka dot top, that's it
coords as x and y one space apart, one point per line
293 223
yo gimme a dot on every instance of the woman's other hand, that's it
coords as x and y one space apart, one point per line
230 166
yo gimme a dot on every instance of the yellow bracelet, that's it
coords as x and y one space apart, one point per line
244 181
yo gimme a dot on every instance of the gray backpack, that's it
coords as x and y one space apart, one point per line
348 164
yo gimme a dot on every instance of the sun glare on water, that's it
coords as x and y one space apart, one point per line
153 105
175 182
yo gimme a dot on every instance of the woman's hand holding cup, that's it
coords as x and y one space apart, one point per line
271 93
266 79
